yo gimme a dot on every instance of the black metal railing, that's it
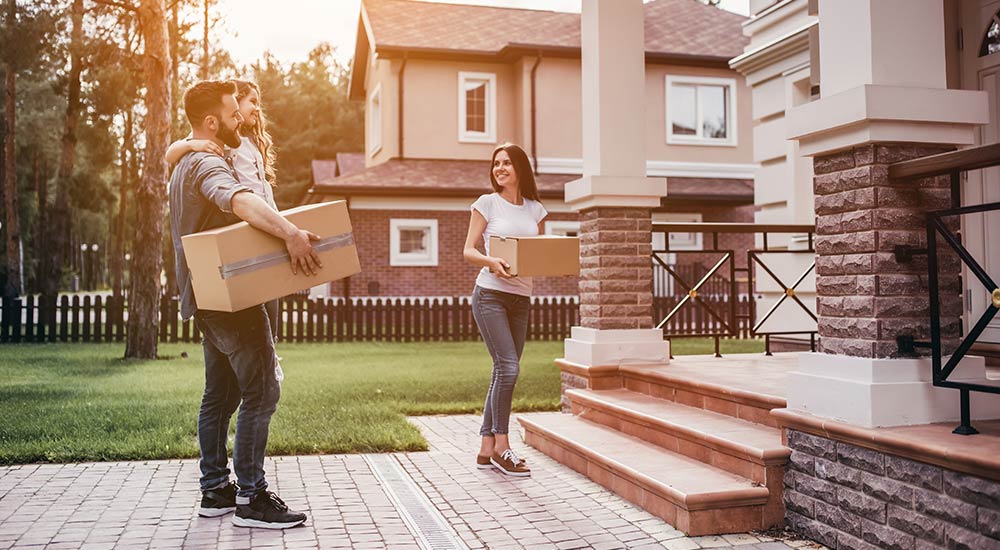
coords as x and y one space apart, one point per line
952 165
710 293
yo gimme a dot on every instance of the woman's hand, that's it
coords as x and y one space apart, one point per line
205 146
499 266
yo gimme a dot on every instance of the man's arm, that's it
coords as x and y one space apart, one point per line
253 210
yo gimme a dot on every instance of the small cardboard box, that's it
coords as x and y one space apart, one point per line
538 256
238 266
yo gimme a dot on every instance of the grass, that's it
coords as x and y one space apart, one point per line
80 402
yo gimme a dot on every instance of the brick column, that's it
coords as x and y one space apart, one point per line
866 297
616 275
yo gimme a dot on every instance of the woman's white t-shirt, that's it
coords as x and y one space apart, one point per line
504 219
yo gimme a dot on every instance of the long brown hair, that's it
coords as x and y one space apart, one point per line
522 167
259 135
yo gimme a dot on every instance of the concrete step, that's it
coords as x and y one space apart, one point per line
659 381
690 495
750 450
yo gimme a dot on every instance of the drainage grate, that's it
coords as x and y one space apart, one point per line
423 520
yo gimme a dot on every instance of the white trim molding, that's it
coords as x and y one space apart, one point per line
729 84
562 227
442 204
374 133
490 134
659 168
398 258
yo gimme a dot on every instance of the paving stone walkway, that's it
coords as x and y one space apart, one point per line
351 503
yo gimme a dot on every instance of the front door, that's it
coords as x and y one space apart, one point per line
980 64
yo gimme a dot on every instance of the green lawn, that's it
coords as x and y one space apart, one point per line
80 402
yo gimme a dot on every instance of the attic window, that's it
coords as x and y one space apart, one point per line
477 110
991 42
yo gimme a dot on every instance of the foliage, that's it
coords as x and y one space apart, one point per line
310 115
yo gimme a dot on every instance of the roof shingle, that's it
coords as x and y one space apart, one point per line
672 27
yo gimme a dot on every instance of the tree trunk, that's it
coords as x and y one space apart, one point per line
205 63
60 214
150 196
11 222
41 240
118 244
175 82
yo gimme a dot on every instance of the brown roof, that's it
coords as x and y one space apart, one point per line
683 28
323 170
470 178
350 163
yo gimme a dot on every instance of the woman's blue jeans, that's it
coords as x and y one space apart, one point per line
239 373
503 321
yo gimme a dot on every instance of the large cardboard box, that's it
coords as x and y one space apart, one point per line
238 266
539 256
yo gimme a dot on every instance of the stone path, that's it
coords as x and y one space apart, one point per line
153 504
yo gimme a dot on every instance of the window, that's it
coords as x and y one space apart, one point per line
477 109
413 242
678 241
375 120
563 228
700 111
991 42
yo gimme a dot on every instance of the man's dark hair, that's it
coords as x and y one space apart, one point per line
205 98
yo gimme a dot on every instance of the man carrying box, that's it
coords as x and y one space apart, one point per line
240 365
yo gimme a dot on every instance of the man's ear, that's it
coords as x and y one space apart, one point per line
211 123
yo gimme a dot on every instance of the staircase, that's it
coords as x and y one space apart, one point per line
706 458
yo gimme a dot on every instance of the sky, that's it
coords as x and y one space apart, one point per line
290 28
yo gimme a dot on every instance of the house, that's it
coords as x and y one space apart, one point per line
877 119
444 83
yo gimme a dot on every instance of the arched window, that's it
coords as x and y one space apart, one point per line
991 42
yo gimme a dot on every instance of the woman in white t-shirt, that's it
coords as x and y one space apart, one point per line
500 302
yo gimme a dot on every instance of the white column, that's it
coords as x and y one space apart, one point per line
614 176
883 79
614 110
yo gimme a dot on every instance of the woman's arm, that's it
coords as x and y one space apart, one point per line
477 225
182 147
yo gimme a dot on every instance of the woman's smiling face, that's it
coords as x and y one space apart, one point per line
503 170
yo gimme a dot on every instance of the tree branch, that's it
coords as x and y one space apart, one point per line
122 5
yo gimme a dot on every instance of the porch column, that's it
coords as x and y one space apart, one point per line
614 197
884 100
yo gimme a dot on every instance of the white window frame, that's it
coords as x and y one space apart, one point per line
397 258
560 227
682 217
490 135
374 132
731 130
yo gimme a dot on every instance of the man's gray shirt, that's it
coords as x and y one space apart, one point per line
201 193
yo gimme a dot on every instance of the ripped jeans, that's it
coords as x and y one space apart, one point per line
502 318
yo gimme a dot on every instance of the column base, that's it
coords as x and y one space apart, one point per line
883 392
613 347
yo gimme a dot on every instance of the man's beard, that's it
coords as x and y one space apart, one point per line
230 137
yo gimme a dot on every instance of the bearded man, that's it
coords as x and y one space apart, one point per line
205 193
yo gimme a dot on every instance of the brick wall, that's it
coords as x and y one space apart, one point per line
616 290
866 297
845 496
453 276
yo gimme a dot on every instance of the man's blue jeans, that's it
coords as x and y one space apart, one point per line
502 318
239 372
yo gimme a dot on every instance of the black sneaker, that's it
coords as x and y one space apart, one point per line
268 511
218 502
